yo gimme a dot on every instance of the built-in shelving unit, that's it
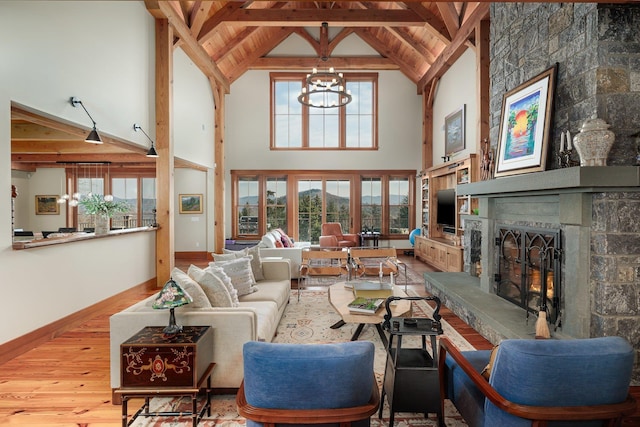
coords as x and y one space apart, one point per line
425 204
440 245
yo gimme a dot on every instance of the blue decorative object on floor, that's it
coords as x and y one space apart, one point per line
412 239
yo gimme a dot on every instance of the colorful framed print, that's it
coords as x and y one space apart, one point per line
454 132
47 205
525 125
190 203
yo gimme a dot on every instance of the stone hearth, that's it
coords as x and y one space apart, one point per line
597 211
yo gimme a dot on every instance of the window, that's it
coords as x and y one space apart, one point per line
399 206
299 203
247 206
276 203
138 190
371 204
295 126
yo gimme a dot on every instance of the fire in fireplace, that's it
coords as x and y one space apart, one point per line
529 263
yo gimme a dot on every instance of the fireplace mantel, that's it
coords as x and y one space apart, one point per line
589 179
596 210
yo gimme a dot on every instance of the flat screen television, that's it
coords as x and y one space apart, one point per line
446 208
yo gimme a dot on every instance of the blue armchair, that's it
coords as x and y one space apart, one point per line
581 382
307 384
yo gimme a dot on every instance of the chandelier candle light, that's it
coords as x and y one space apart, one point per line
324 89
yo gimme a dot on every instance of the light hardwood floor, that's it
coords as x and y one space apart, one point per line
65 382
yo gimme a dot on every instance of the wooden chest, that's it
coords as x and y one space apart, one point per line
149 360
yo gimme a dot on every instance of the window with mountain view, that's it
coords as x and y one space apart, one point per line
371 204
399 205
247 205
295 126
138 191
276 203
299 203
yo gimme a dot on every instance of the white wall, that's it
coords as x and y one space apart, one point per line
44 181
194 139
456 88
103 53
247 132
192 229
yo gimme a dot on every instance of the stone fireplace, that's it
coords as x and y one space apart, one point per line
593 211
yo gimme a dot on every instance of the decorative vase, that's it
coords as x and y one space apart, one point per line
594 142
102 225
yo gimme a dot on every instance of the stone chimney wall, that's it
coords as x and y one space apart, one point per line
597 48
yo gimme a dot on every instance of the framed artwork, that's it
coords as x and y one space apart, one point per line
454 131
190 203
47 205
525 125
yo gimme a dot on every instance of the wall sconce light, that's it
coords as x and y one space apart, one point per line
93 137
152 151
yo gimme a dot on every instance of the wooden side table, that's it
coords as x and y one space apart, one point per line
178 366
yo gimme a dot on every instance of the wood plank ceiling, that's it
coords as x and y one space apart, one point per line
227 38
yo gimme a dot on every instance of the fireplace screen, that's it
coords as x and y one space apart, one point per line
529 269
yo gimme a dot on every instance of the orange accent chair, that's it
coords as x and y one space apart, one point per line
331 236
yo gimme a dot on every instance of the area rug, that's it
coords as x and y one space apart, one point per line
308 321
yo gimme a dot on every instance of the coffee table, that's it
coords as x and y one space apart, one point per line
340 297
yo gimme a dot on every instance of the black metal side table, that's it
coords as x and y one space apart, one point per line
411 382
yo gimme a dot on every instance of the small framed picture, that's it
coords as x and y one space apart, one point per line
454 131
47 205
190 203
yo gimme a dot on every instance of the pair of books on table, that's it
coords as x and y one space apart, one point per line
362 305
369 296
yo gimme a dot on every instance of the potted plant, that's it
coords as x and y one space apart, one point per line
103 207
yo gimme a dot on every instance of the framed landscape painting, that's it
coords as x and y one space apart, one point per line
525 125
190 203
454 131
47 205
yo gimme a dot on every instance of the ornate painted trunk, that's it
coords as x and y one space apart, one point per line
151 360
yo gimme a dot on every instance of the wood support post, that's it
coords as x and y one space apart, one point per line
165 251
219 168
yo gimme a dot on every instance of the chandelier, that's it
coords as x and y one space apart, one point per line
324 89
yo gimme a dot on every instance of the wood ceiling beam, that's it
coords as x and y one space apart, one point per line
335 41
62 147
198 16
32 131
450 17
306 36
233 44
334 17
82 157
224 14
22 113
432 22
457 47
384 50
267 45
406 38
340 63
163 10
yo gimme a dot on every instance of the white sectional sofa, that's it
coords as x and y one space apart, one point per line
255 319
269 248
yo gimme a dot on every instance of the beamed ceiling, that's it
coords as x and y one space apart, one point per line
225 39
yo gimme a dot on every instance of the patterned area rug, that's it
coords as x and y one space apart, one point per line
309 321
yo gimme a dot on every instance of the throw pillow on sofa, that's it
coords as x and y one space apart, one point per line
239 271
212 286
256 261
220 274
191 287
